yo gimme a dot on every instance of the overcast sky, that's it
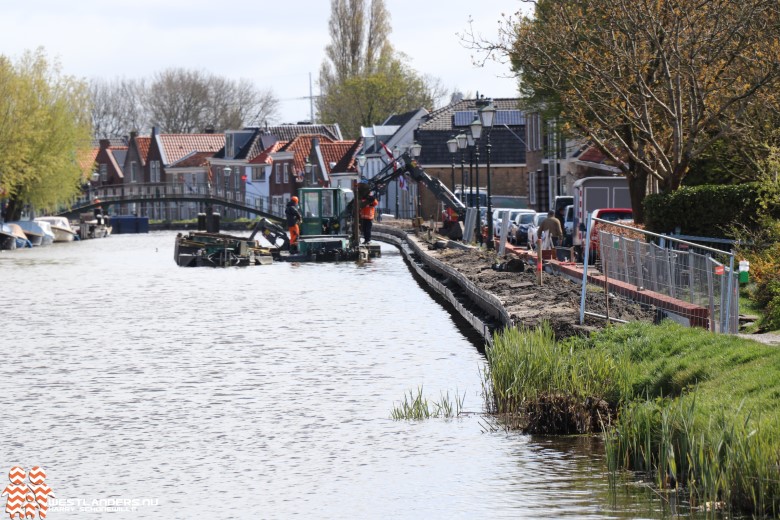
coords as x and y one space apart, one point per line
274 44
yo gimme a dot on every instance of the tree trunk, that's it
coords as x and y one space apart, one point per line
13 210
637 188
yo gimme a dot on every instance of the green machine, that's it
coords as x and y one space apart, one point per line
323 229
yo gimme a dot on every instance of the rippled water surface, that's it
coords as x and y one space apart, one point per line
262 392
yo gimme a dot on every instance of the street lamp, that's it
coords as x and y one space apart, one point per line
462 141
476 133
452 146
486 114
415 150
308 167
227 172
470 139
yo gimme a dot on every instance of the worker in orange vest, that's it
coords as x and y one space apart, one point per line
293 214
367 213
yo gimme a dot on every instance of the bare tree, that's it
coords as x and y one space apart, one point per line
116 107
363 81
187 101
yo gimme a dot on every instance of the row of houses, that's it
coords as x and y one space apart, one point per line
264 167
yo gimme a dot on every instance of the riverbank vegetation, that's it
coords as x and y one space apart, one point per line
415 406
695 409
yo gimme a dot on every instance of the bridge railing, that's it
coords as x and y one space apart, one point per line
161 192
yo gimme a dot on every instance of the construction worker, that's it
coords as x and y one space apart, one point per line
367 213
553 227
293 214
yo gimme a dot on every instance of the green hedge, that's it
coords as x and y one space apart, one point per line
703 210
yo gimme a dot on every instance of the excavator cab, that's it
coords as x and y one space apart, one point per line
320 208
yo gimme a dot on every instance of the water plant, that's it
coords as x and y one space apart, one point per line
415 406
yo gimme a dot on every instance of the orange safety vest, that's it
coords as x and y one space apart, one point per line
367 211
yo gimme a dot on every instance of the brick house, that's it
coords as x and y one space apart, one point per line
509 171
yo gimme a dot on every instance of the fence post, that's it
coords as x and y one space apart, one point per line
711 293
728 295
672 279
585 271
639 274
691 279
654 267
624 246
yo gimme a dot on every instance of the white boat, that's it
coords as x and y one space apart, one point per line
48 234
32 230
19 235
61 228
7 237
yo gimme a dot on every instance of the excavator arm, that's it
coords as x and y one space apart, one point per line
405 165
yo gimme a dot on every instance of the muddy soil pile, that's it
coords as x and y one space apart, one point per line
557 301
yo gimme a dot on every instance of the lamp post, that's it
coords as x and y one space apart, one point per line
414 151
476 133
486 115
470 139
227 172
462 142
452 146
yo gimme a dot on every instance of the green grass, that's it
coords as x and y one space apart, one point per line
693 408
416 407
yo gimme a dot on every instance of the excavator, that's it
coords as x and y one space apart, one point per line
328 230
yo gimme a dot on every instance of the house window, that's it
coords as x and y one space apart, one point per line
133 171
532 188
278 174
286 173
155 171
104 172
228 146
258 174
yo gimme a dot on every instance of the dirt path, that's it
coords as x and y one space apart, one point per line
556 301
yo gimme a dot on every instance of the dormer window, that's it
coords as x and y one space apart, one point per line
104 172
229 146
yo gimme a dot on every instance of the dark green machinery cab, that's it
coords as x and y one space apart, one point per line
319 207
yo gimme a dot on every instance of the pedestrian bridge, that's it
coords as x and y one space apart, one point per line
170 195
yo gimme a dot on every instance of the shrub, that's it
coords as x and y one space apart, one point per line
706 210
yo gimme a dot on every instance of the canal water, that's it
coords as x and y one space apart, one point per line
146 390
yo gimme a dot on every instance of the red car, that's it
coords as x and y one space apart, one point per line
610 215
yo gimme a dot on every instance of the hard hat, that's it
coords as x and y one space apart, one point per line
294 199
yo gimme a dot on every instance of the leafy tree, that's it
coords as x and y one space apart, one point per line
363 80
653 84
45 130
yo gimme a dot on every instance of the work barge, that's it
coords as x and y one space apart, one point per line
329 230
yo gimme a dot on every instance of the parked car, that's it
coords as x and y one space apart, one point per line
513 213
518 230
610 215
568 225
532 227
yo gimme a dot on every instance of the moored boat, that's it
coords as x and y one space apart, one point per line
19 236
32 230
61 228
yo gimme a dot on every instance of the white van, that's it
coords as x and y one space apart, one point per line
595 193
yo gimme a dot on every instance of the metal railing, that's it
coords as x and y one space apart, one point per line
694 282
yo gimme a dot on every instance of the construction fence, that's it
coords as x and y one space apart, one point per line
690 283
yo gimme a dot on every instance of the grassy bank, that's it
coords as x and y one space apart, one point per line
696 409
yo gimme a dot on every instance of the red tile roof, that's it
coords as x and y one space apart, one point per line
143 147
193 160
87 159
594 155
177 146
301 146
334 153
265 156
